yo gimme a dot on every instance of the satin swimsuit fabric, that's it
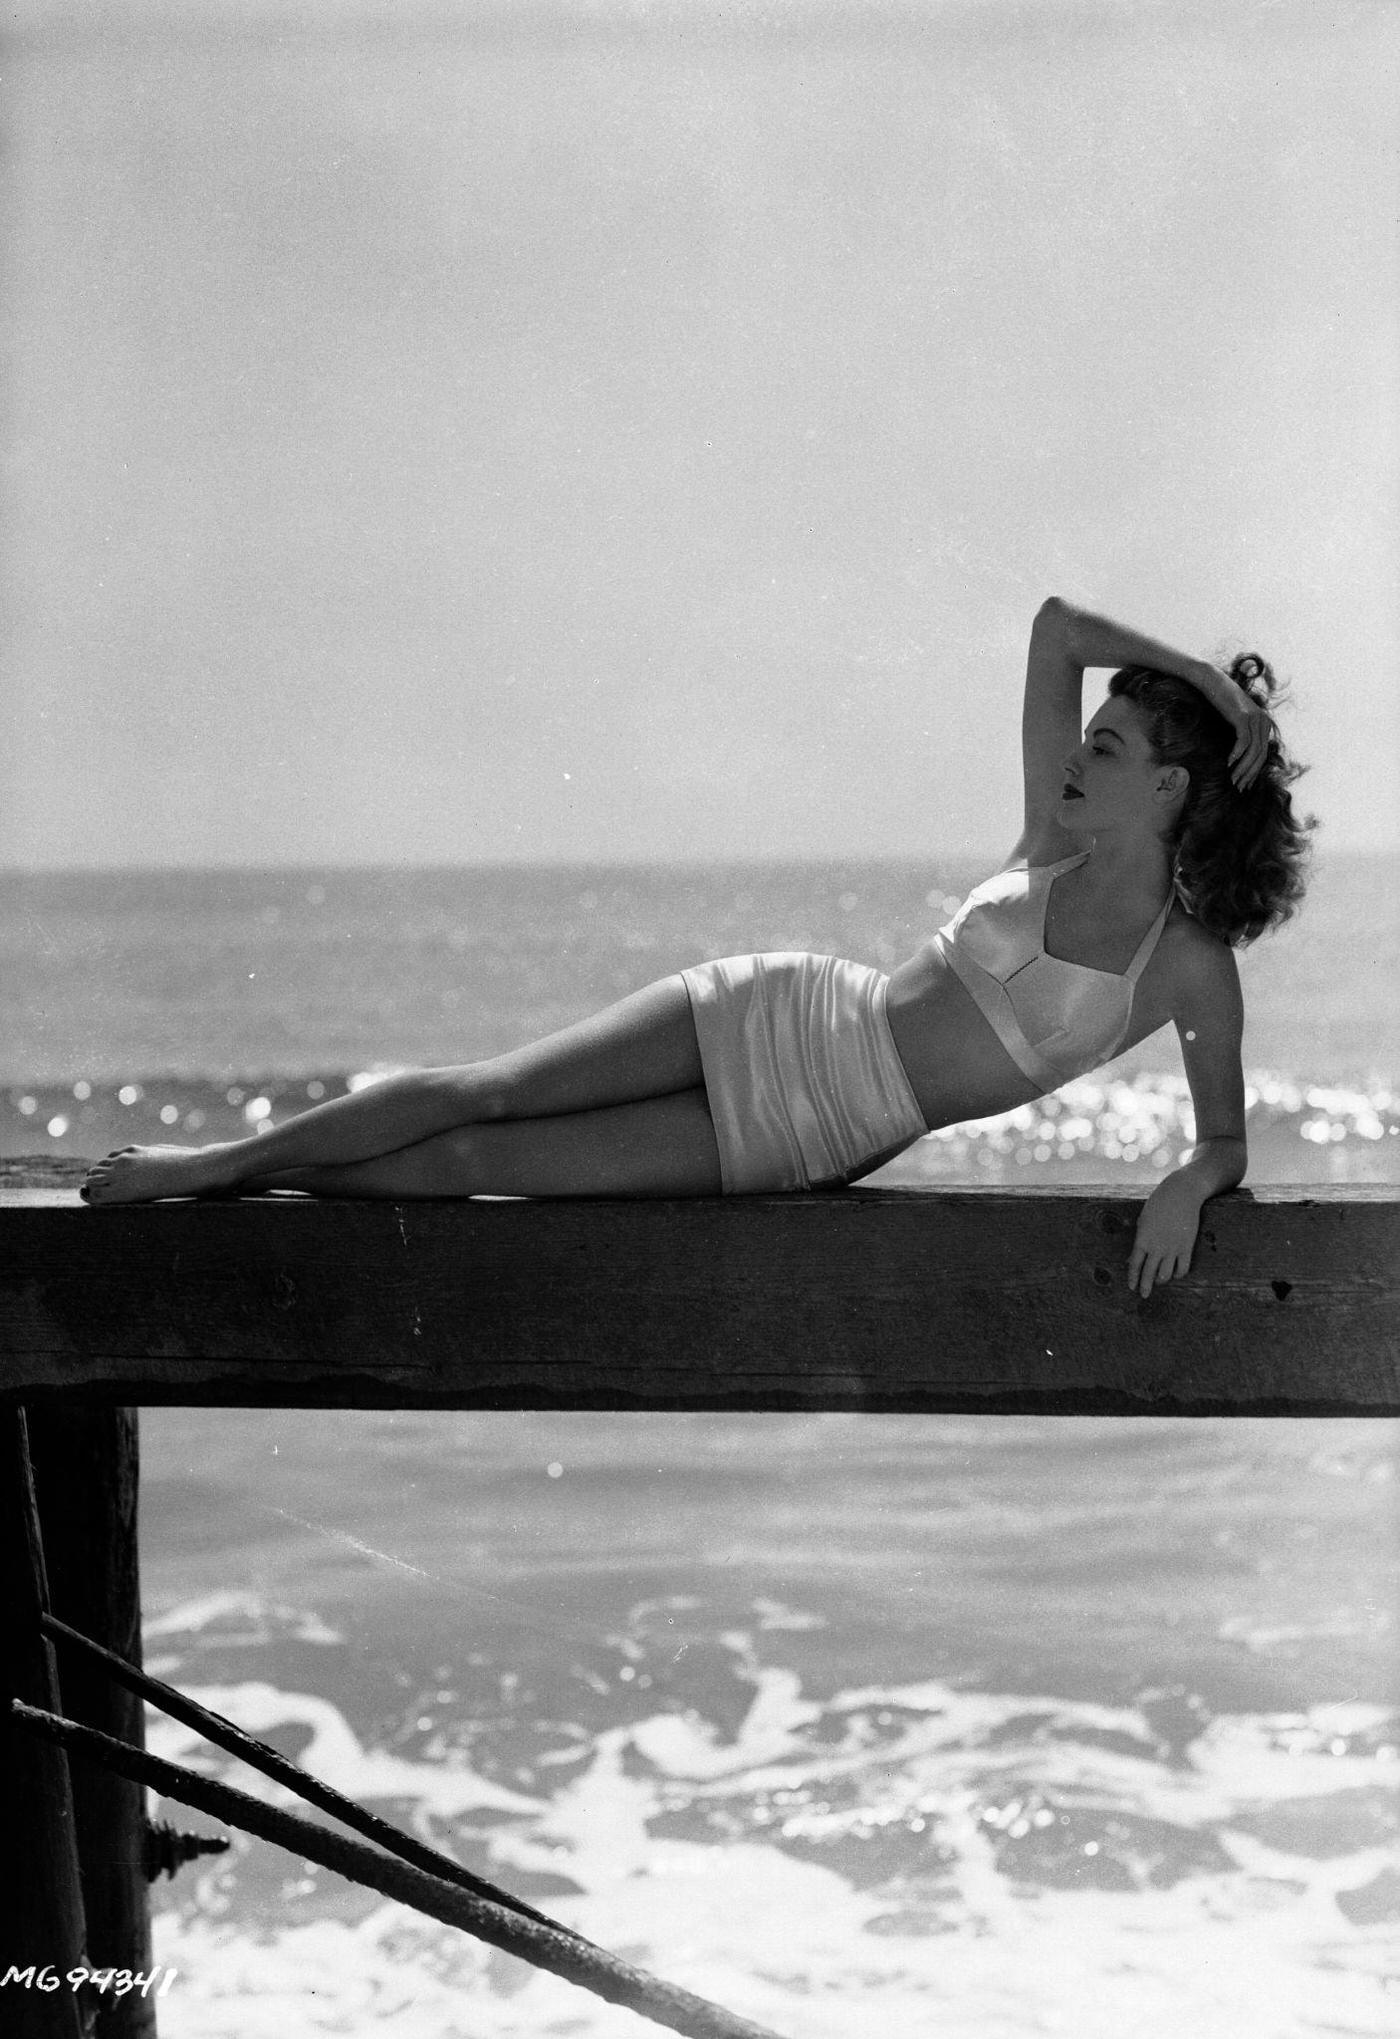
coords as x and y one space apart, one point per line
1055 1019
804 1082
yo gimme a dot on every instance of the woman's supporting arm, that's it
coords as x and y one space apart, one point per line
1210 1023
1171 1217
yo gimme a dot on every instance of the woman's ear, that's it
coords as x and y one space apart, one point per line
1172 782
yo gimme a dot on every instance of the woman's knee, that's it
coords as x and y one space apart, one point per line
497 1090
474 1092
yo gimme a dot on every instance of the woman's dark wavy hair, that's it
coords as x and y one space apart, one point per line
1240 858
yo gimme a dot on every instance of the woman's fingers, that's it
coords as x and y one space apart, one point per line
1250 749
1147 1268
1152 1272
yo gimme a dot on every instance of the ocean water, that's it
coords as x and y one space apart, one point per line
859 1725
864 1727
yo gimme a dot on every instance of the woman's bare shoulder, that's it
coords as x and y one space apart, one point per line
1200 964
1195 943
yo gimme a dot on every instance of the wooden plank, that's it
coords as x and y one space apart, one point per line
994 1300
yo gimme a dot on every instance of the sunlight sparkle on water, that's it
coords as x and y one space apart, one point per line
1150 1119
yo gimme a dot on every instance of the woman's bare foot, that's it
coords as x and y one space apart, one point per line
136 1175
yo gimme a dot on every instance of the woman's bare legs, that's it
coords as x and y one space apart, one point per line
641 1048
659 1146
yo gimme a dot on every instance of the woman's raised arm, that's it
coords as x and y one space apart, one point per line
1052 709
1065 641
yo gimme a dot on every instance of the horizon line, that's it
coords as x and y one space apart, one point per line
773 860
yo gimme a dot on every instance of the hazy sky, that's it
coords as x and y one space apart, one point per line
455 433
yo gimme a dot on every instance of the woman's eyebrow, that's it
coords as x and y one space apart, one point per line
1112 735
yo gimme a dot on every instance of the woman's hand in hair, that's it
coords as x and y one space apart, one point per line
1253 726
1247 716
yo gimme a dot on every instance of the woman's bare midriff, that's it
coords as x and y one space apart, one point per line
955 1063
952 1057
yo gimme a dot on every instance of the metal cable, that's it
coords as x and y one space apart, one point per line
564 1954
215 1728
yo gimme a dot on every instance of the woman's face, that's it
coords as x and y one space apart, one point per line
1111 780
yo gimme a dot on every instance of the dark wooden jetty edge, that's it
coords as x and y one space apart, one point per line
990 1301
1000 1301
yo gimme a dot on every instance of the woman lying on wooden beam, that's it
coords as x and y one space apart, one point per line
1153 844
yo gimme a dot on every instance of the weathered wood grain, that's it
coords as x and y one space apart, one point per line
996 1300
41 1895
86 1466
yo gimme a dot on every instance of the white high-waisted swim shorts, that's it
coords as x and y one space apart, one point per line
804 1082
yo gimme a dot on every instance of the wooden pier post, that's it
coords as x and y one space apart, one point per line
43 1939
86 1465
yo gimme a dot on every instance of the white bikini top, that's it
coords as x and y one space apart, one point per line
1056 1020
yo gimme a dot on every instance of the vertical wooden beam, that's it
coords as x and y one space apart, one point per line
42 1933
86 1468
